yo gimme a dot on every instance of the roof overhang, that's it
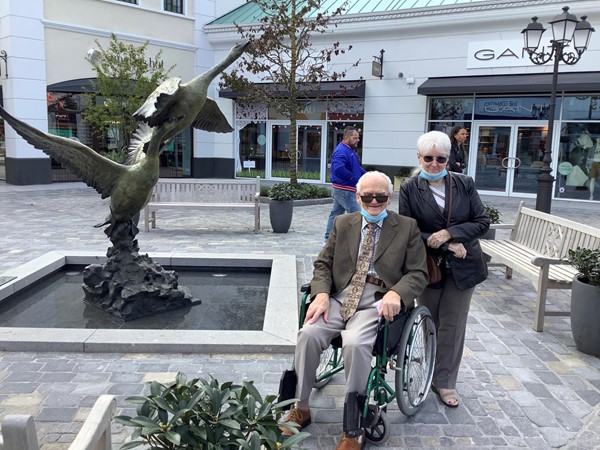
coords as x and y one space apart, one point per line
74 86
534 83
338 89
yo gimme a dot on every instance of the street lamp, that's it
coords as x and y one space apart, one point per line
565 28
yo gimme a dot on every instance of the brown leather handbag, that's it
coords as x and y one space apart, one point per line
434 268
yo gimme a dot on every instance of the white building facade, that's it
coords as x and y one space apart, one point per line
453 64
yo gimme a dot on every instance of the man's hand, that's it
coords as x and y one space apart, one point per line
319 306
390 305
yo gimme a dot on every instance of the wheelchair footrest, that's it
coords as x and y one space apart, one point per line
353 406
287 386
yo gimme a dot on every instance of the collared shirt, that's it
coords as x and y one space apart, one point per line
363 234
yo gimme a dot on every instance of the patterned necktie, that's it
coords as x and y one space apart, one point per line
357 284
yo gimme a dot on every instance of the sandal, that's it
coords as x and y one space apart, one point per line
448 397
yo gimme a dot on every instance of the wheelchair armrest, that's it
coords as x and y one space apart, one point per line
305 288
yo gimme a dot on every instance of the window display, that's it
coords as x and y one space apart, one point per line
578 161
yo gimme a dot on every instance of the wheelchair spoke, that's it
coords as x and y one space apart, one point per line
415 361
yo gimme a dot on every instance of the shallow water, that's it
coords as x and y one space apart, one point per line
231 299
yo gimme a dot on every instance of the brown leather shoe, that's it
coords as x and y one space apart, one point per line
356 443
296 415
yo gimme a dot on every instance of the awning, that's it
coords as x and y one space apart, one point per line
343 89
533 83
75 86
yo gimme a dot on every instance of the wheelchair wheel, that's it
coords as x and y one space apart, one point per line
331 359
416 360
377 430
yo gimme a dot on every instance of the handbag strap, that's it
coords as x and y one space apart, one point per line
449 201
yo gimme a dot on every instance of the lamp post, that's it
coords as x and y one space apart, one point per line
565 28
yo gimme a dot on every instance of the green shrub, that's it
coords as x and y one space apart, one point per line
252 173
287 191
493 213
587 262
201 414
117 156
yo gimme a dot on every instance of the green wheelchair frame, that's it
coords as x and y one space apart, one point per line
412 359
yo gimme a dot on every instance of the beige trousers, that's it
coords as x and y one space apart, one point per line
358 336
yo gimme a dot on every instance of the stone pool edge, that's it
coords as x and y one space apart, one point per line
277 336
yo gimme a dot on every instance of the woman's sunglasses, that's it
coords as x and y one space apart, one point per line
380 198
439 159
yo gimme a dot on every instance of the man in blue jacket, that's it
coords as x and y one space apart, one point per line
345 173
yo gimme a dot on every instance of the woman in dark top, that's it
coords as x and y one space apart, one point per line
458 136
430 196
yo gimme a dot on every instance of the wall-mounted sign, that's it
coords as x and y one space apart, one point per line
497 54
376 69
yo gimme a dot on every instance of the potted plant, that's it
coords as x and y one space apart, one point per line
203 414
585 300
281 206
494 215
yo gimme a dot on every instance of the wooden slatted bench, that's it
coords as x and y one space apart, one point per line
189 193
538 248
19 433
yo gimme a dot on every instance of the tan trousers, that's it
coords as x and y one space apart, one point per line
449 308
358 336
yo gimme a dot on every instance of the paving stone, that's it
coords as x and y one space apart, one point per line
509 372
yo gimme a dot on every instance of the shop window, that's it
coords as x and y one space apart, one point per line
174 6
578 174
581 108
251 156
514 108
451 108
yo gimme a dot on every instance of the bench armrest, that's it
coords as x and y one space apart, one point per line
502 226
542 260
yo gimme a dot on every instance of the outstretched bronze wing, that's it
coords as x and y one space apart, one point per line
155 109
94 169
210 118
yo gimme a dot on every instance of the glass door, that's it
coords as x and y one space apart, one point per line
530 144
309 153
509 157
310 145
493 158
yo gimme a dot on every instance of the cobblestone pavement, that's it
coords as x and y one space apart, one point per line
519 389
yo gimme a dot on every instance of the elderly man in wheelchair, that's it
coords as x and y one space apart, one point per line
371 269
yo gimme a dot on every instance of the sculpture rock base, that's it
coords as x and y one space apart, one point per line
130 286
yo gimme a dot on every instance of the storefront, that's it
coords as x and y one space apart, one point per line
509 133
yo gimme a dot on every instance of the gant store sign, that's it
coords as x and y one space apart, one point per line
486 54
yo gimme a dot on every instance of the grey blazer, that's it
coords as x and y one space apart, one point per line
399 257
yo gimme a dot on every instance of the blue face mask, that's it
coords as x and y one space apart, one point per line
433 177
374 219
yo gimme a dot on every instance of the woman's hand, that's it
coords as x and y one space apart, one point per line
319 306
438 238
458 249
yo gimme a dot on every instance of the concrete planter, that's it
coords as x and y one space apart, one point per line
585 317
280 213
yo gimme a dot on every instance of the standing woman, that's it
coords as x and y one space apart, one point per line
458 137
451 217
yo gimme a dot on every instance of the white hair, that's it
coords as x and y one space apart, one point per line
376 173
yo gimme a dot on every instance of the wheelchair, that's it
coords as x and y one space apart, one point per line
407 347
